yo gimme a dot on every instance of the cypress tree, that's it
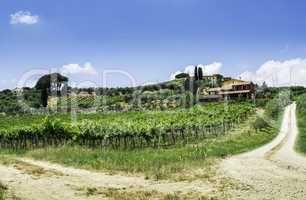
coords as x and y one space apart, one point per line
196 77
200 73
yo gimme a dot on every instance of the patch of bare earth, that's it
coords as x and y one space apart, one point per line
42 180
274 171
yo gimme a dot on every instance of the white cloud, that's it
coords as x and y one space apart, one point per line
210 69
24 17
279 73
189 70
214 68
77 69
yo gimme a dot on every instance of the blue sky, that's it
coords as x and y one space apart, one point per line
149 39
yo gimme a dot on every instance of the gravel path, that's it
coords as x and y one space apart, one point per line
274 171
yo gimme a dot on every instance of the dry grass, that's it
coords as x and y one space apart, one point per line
28 168
132 194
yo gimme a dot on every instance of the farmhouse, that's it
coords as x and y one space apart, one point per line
229 90
216 87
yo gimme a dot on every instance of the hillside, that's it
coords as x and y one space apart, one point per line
161 96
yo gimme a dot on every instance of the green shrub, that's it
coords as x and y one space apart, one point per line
261 102
275 106
260 124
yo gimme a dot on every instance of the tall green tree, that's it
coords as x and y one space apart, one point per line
200 73
196 77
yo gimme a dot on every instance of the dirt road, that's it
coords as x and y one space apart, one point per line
274 171
53 181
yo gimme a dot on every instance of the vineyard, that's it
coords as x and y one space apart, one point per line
122 130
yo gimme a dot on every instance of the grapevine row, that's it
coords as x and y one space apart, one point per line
129 130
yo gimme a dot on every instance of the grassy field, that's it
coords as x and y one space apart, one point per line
301 120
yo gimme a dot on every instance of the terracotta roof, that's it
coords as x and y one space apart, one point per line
236 80
244 83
